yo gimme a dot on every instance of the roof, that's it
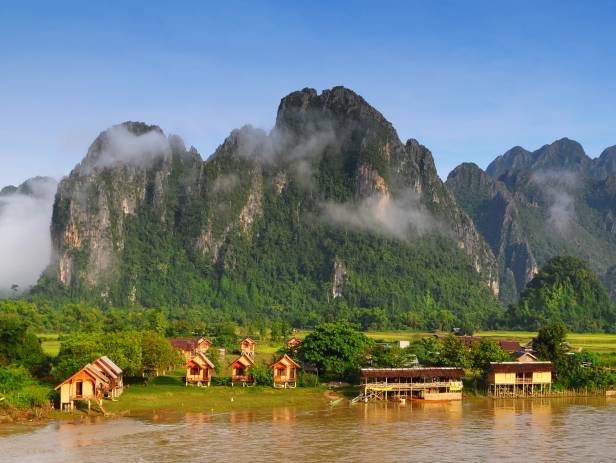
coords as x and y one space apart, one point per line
509 346
286 359
248 340
522 353
204 359
244 359
184 343
519 367
109 368
415 372
91 371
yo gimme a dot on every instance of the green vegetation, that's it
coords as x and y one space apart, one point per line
336 349
571 370
134 352
565 291
178 398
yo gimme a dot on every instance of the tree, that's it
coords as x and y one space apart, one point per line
75 352
426 350
336 349
453 353
391 357
157 353
549 342
484 352
20 346
565 291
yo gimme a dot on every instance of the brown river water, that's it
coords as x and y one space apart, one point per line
563 430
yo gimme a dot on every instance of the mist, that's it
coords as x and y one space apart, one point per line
25 242
402 218
559 188
123 146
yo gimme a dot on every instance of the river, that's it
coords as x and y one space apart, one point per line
580 429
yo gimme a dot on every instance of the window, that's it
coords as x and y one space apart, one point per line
194 371
280 371
239 371
79 388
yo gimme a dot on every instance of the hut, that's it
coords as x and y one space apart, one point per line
519 379
426 383
247 346
87 384
199 370
113 373
240 370
190 346
285 372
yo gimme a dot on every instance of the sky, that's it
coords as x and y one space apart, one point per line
467 79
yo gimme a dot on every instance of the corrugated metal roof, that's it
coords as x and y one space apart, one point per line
520 367
415 372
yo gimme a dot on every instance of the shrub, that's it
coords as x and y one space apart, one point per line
308 380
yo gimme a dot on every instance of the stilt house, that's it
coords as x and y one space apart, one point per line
520 379
87 384
427 383
190 346
247 346
199 370
240 370
285 372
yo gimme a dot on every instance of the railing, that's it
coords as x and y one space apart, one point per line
408 386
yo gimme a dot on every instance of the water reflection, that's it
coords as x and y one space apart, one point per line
470 430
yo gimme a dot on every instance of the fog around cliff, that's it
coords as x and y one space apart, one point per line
25 242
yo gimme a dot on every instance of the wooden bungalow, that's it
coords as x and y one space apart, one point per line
199 370
247 346
520 379
425 383
240 370
285 372
190 346
115 375
293 343
87 384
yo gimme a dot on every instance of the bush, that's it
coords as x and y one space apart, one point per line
221 381
13 378
264 376
308 380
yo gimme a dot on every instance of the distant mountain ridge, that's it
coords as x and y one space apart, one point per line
552 201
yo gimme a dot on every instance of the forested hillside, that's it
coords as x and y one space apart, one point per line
328 216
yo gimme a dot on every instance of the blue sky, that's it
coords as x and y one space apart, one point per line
467 79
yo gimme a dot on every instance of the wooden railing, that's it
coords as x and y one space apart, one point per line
408 386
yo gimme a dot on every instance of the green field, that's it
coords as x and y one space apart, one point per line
176 397
50 343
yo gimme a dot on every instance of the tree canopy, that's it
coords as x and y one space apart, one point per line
565 291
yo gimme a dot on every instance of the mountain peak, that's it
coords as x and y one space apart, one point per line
562 154
307 107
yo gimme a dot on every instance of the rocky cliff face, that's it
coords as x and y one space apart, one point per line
537 205
329 205
495 213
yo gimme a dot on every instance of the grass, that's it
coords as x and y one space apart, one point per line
170 394
50 342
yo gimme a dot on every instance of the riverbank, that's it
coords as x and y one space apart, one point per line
215 399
